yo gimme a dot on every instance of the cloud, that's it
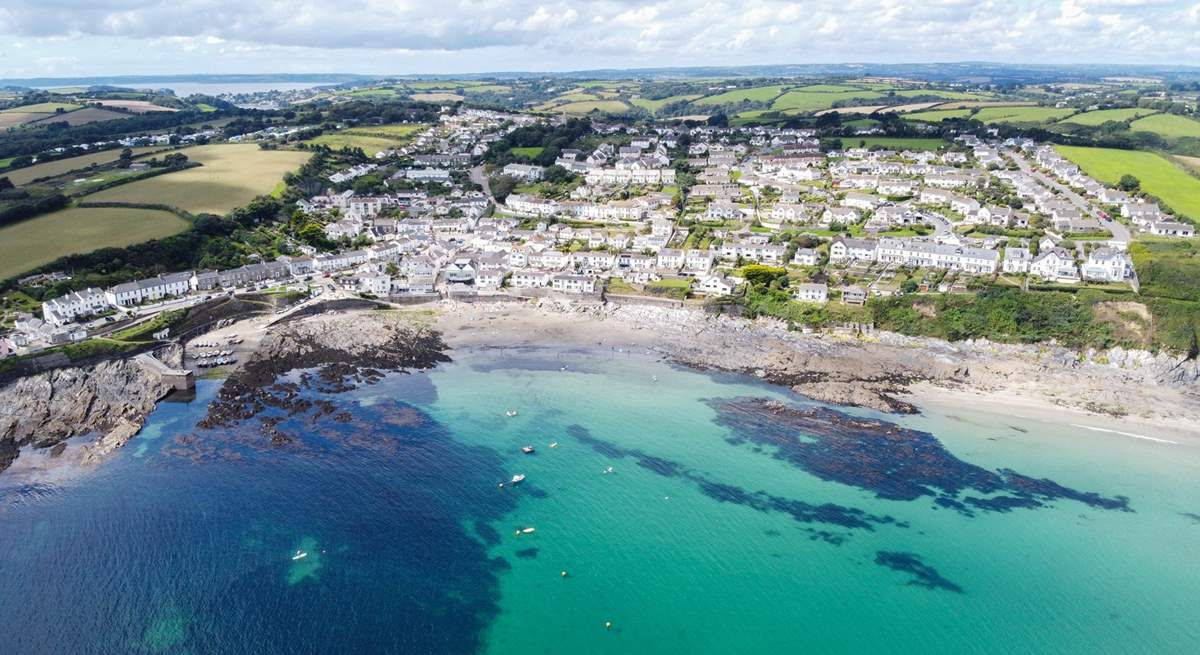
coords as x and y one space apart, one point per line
551 34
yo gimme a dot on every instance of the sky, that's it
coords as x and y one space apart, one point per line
54 38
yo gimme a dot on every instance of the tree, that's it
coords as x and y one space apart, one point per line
1129 183
502 186
759 275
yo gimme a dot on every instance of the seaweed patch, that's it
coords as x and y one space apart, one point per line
893 462
922 575
800 511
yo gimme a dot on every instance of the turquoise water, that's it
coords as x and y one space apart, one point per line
712 533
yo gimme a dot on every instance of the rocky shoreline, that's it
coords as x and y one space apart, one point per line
875 370
110 399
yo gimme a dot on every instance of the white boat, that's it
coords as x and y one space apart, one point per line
518 478
299 555
554 445
527 530
528 450
511 413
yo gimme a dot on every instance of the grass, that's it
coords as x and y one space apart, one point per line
653 106
1103 116
31 243
1175 187
230 176
753 94
372 139
806 101
43 108
949 95
82 116
829 88
58 167
436 97
528 152
1167 268
1167 125
606 106
898 143
937 115
991 115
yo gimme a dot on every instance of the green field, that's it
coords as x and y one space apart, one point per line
949 95
896 143
612 106
231 176
371 139
806 101
654 105
937 115
753 94
53 168
528 152
1175 187
1167 125
489 88
1103 116
43 108
991 115
829 88
31 243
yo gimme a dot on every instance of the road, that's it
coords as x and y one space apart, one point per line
1119 231
478 177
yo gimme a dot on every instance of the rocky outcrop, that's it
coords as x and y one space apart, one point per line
50 407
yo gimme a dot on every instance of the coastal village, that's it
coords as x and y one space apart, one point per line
668 213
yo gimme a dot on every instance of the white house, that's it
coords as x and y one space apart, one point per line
714 285
1017 260
65 309
805 257
1055 265
155 288
1107 265
526 172
814 293
1172 229
848 249
574 283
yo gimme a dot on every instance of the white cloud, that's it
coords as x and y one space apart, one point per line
482 35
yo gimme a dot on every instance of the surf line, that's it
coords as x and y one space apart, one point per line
1127 434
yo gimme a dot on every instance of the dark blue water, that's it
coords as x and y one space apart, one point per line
389 500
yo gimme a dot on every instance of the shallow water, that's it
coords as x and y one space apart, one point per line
710 534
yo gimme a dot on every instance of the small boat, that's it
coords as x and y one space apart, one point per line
518 478
528 450
608 470
511 413
654 378
527 530
554 445
299 555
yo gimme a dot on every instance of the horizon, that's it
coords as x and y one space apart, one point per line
73 39
747 70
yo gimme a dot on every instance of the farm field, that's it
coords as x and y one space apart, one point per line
590 105
43 108
82 116
937 115
372 139
899 143
949 95
991 115
1191 162
26 175
436 97
231 176
1167 125
136 106
489 88
1103 116
31 243
14 118
754 94
1175 187
806 101
654 105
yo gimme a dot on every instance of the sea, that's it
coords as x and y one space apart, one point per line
663 510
